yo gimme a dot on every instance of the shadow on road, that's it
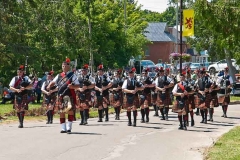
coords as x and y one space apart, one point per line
37 126
161 123
150 127
206 127
101 125
193 130
85 133
220 124
233 117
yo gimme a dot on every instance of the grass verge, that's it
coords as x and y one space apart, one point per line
227 147
8 108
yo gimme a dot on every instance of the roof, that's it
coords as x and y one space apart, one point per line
156 32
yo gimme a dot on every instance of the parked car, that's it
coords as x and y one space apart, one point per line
151 71
220 65
163 65
184 65
144 63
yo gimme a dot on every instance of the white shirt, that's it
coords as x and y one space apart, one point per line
44 85
124 86
156 80
221 77
74 78
12 83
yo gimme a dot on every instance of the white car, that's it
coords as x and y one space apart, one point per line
220 65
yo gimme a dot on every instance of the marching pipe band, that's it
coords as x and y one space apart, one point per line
69 92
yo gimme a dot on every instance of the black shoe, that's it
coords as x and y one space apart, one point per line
47 122
163 118
192 123
211 120
100 120
106 120
147 120
205 121
222 115
63 131
187 124
185 128
118 118
225 115
166 117
20 126
202 121
50 122
68 131
81 123
134 124
129 123
155 115
180 128
142 121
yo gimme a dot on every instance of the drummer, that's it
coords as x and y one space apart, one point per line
225 82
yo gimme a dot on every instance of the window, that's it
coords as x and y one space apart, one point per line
147 52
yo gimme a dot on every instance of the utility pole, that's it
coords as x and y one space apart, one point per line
90 38
181 42
125 17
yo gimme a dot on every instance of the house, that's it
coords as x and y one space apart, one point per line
164 42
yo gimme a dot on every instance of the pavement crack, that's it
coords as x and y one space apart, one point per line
129 140
75 147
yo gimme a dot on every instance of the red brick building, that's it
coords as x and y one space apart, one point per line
163 42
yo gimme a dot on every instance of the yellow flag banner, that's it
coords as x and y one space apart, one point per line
188 22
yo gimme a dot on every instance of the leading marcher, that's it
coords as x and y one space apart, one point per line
20 85
66 82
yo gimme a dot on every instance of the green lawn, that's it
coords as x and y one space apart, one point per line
227 147
6 110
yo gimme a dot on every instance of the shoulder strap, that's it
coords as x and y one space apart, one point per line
181 86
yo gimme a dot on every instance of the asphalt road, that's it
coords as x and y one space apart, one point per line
114 139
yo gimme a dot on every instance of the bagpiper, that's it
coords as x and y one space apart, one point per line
181 103
145 98
102 86
66 82
191 89
49 98
203 85
163 83
130 87
225 83
154 94
86 84
20 85
117 93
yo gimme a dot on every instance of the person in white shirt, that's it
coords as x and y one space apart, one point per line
20 85
49 97
225 83
67 83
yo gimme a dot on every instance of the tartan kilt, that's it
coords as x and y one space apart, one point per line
102 99
167 101
191 102
21 103
116 102
154 98
208 100
146 100
49 101
222 99
130 101
214 101
59 104
177 108
83 99
199 102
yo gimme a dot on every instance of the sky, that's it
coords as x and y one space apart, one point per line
154 5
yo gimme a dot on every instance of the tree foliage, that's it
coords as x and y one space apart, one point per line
49 31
